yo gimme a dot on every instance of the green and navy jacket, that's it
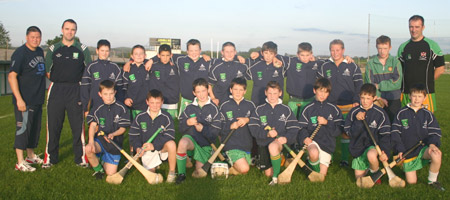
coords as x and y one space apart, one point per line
388 77
279 117
410 127
165 78
208 116
346 80
326 137
66 63
419 59
379 124
230 111
143 128
94 74
222 73
109 119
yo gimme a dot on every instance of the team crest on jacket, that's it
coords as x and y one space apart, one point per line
116 119
405 123
172 73
186 67
223 77
96 75
346 72
298 67
144 126
314 120
328 73
390 69
275 74
315 67
58 55
260 75
373 124
230 115
202 68
147 77
112 76
282 118
208 118
330 117
423 56
239 74
263 120
75 55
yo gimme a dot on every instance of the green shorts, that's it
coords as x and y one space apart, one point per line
201 154
416 163
236 154
183 104
293 101
361 162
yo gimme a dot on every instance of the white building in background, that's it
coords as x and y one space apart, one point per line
175 44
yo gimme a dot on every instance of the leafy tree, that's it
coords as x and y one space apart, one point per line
57 39
4 37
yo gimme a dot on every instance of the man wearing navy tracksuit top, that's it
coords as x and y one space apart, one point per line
95 73
66 61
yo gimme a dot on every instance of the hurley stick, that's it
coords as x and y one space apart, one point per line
211 160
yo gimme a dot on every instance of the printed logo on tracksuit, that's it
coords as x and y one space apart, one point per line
230 115
405 123
260 75
298 68
263 120
96 75
186 67
223 77
314 120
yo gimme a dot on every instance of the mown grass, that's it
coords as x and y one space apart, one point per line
66 181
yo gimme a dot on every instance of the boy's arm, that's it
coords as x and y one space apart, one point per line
384 135
306 127
353 127
434 131
396 140
183 121
292 128
337 124
85 88
119 85
395 83
211 130
256 129
135 134
125 84
358 82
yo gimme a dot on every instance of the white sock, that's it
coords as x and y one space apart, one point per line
372 171
432 177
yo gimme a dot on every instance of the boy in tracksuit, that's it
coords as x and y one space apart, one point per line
164 76
272 124
96 72
222 72
112 118
235 114
136 82
200 124
361 145
320 112
143 128
263 70
412 124
346 79
385 71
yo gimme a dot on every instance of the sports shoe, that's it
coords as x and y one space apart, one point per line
436 185
35 160
83 165
47 166
98 175
274 181
180 178
344 163
171 177
25 167
199 174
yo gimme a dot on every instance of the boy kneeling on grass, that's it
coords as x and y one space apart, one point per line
111 117
412 124
283 128
163 146
329 116
200 124
361 146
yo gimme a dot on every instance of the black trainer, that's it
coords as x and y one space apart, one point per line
343 163
437 185
98 175
180 178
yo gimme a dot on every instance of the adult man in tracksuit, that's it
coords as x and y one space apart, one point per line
66 61
346 80
222 71
385 72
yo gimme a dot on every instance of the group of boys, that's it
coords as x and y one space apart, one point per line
328 93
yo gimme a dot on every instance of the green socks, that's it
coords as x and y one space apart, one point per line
345 152
181 163
315 165
276 164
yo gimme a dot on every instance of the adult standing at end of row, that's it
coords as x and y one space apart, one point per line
65 63
27 81
422 62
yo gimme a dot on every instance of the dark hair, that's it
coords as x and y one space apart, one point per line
106 84
33 29
383 40
155 94
304 46
200 82
138 46
417 17
239 81
369 89
337 41
164 47
228 44
269 46
193 42
322 83
70 21
418 88
274 85
103 42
